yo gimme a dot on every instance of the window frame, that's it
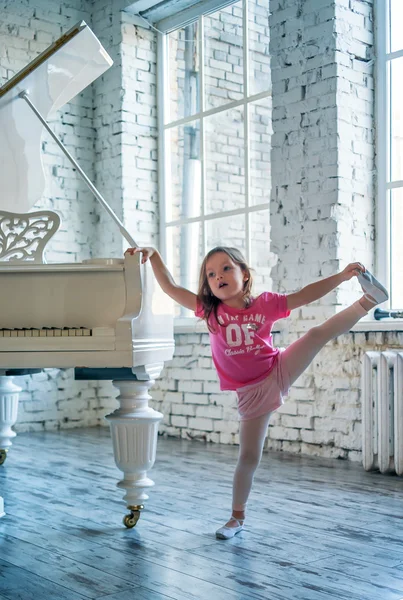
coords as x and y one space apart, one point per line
385 184
382 138
165 27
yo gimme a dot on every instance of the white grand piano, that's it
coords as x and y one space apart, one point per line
104 317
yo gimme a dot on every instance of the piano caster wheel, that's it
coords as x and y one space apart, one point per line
130 521
3 456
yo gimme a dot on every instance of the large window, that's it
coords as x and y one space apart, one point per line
215 130
389 17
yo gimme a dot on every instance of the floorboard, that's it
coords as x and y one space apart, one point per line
317 529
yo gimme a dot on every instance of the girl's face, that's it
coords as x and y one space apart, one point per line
226 279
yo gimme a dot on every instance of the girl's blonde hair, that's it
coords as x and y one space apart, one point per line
206 297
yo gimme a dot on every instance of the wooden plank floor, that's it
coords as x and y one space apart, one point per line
317 529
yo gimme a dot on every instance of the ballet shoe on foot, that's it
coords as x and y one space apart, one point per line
373 290
226 533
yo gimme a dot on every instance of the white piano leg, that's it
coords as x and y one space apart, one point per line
9 394
134 429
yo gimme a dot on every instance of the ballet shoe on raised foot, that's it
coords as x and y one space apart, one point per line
226 532
373 290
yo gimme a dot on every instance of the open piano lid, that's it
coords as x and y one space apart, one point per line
52 79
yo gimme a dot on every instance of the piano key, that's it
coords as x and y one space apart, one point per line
102 331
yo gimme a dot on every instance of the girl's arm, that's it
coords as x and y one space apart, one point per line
181 295
317 290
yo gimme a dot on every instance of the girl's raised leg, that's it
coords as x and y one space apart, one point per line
299 355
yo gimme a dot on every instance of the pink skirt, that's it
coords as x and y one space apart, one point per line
265 396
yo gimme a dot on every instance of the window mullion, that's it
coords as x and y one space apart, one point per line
212 216
246 126
393 55
202 135
382 110
218 109
394 184
163 57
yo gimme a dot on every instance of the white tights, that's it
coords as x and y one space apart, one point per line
297 357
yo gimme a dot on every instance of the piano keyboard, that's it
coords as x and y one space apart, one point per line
45 332
28 340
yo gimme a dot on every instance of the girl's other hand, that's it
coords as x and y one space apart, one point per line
352 270
146 252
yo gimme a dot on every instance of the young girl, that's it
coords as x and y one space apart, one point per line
242 349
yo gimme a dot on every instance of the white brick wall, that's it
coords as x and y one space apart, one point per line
139 140
330 198
107 122
322 218
356 132
322 168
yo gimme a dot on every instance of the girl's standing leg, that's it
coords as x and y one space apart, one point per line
299 355
252 434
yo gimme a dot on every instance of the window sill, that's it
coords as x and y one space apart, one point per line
384 325
195 325
189 325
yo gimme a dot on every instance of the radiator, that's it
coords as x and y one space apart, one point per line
382 411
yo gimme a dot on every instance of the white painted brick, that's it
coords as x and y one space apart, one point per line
169 431
195 387
289 408
175 397
201 423
322 175
226 427
297 422
195 398
214 438
210 411
184 409
177 421
281 433
228 438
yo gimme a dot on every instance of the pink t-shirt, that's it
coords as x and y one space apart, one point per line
242 344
